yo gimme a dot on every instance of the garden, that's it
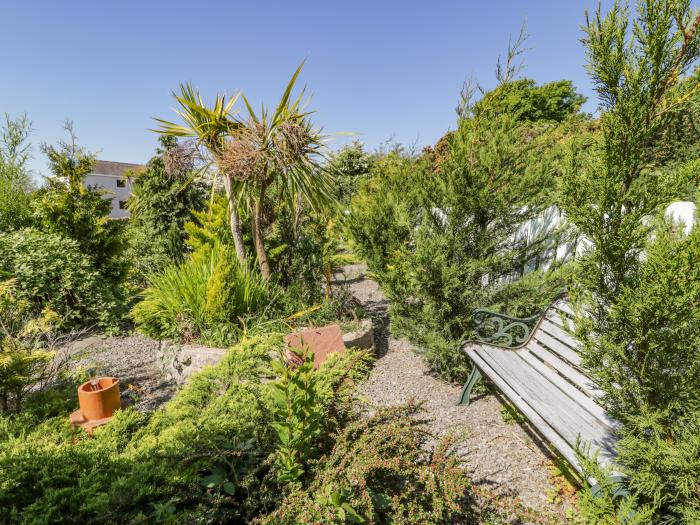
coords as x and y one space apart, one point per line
245 227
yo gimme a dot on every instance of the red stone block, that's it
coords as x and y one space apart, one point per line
321 341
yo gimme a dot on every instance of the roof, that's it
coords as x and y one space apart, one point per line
115 169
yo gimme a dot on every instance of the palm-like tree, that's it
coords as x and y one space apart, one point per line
278 148
211 127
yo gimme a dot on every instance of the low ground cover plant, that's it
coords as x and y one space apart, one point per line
211 455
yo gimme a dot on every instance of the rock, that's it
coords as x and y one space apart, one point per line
321 341
362 338
178 362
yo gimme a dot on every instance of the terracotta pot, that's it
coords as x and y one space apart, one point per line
99 399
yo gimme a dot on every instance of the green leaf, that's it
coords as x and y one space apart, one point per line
214 479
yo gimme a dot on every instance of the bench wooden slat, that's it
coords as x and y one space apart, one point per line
573 375
568 418
555 331
554 316
563 307
577 395
538 422
558 402
557 347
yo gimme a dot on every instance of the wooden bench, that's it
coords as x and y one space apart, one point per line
535 363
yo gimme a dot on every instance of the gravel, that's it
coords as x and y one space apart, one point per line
130 358
504 459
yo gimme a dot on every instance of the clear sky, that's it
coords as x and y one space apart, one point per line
384 70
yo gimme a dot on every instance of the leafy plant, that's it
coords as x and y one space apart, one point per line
378 472
280 148
636 288
164 198
52 273
15 180
350 165
66 207
188 300
210 127
24 353
297 417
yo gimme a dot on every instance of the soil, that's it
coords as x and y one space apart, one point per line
506 461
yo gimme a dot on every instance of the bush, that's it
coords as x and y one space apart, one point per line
200 297
380 472
24 352
205 457
66 207
163 200
15 178
637 287
51 272
139 470
349 165
383 212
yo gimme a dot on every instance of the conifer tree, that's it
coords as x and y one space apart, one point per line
637 286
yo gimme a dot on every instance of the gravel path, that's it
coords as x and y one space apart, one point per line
502 457
131 359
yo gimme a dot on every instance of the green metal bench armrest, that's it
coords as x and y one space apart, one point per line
503 330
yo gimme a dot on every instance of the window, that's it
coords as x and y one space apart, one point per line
121 183
122 205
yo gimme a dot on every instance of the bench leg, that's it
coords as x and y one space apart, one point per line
619 487
619 491
467 389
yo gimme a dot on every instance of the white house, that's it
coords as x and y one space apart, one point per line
110 176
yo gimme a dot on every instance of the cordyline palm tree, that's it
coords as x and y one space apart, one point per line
280 149
210 127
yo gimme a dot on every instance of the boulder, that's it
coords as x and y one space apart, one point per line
361 338
178 362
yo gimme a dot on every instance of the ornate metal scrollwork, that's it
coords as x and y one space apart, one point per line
503 330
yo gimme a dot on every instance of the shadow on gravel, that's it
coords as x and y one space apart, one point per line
353 277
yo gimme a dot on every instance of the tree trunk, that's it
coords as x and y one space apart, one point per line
256 225
234 220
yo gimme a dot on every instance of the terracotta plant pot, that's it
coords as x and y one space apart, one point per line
99 398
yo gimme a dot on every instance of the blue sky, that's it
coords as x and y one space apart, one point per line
384 70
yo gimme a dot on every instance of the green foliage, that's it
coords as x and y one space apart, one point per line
206 296
606 506
164 198
456 246
553 101
297 416
67 208
382 212
15 180
349 165
662 454
207 456
51 272
636 288
378 472
24 354
135 468
210 226
646 357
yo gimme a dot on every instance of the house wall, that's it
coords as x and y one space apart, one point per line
109 183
